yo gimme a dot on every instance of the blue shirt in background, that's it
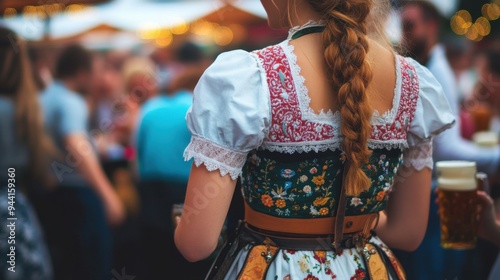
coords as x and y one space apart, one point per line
65 113
162 137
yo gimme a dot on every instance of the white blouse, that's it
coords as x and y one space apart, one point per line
231 114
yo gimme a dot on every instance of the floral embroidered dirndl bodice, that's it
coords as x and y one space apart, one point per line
251 119
297 172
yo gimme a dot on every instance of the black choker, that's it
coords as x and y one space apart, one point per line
307 30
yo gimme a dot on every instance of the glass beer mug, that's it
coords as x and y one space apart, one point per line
457 196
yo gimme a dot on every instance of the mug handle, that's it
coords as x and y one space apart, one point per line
482 182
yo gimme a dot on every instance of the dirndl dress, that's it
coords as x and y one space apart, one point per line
251 119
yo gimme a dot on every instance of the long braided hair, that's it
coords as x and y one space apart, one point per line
345 49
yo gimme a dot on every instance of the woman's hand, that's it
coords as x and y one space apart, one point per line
115 211
489 227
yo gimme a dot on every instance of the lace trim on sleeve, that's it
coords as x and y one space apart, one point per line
215 157
419 156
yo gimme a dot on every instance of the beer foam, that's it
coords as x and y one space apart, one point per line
455 164
457 184
485 138
456 175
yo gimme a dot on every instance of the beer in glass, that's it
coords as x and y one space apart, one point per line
457 204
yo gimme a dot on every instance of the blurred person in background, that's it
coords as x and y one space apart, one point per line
421 30
163 173
165 66
140 84
488 87
41 73
105 93
189 63
486 98
421 23
106 98
76 216
460 54
24 150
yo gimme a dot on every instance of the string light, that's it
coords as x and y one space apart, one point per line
163 37
490 11
223 36
43 11
9 12
75 8
483 26
203 27
164 42
206 31
239 32
461 23
30 10
149 31
180 27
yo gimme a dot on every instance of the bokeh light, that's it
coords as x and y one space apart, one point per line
491 11
483 26
473 33
9 12
54 9
465 16
30 11
164 33
40 11
180 28
203 27
164 42
461 22
239 32
223 35
75 8
149 31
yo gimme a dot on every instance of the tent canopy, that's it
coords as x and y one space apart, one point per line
18 5
135 15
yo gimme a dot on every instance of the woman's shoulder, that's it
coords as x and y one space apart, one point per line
423 73
433 112
231 58
229 70
248 58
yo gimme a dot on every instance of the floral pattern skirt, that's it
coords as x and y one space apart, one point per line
32 259
305 265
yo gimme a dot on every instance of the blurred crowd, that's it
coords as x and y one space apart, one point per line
468 73
97 140
99 165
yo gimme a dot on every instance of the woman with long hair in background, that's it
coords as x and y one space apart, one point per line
23 164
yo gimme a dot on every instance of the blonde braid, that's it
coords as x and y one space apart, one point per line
345 48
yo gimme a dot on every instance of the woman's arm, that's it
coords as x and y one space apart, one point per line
205 208
404 222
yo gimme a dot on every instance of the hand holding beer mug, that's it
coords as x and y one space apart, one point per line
457 196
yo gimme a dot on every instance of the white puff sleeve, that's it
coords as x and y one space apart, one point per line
433 115
230 115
